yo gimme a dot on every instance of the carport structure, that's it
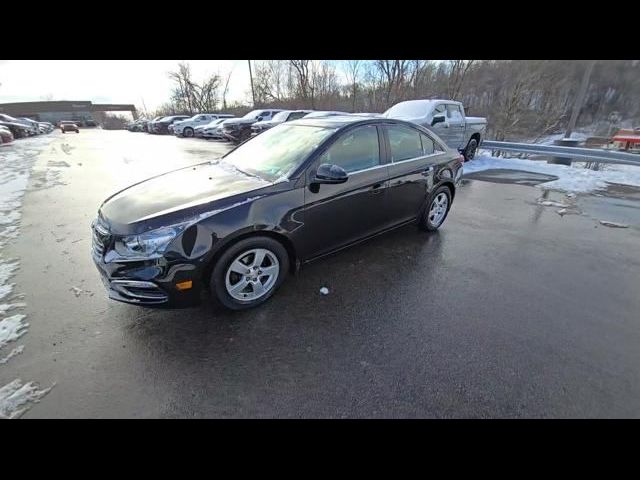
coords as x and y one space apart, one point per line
56 111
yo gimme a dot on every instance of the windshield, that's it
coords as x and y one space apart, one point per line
410 109
253 114
280 116
278 151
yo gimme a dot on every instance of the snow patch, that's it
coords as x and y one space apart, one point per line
570 178
16 351
607 223
12 328
15 397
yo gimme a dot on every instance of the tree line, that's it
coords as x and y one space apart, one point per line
520 98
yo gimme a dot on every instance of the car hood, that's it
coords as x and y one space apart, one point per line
265 123
240 121
176 196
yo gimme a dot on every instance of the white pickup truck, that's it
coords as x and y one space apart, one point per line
446 119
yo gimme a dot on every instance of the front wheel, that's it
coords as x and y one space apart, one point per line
437 209
249 272
188 132
470 151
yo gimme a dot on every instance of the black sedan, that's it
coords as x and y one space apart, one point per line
238 225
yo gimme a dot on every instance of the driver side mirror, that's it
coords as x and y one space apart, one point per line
330 174
259 119
437 119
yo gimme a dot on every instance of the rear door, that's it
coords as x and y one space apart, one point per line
414 157
337 215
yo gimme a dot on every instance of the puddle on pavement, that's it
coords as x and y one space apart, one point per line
517 177
618 204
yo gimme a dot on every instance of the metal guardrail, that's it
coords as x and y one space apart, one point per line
577 153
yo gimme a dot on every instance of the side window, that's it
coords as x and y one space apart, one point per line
295 115
428 146
453 112
404 142
439 110
355 150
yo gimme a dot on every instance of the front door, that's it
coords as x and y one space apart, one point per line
337 215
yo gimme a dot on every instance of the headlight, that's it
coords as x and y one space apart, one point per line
149 245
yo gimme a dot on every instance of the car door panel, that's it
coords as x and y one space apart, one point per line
456 126
411 179
339 214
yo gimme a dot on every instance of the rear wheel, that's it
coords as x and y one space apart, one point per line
437 209
470 151
249 272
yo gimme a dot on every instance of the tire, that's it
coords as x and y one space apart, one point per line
436 210
63 131
242 254
470 151
77 131
188 132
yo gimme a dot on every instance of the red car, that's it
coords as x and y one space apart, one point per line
69 127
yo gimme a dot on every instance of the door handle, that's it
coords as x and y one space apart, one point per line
377 188
427 171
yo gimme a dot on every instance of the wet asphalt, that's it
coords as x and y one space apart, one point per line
510 310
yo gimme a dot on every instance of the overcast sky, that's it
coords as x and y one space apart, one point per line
110 81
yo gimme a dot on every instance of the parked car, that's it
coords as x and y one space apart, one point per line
162 126
34 128
45 127
278 118
5 135
239 129
299 191
138 125
152 124
17 128
447 119
211 130
323 113
69 126
186 128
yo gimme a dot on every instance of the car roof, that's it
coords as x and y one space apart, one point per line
337 121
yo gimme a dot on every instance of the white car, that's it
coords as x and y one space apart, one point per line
212 129
186 128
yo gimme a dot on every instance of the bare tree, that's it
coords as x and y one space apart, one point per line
191 97
459 69
304 83
353 71
226 90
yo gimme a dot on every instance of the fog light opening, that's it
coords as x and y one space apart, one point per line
184 285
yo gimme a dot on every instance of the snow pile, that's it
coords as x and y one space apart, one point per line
570 178
12 328
16 163
16 351
16 394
